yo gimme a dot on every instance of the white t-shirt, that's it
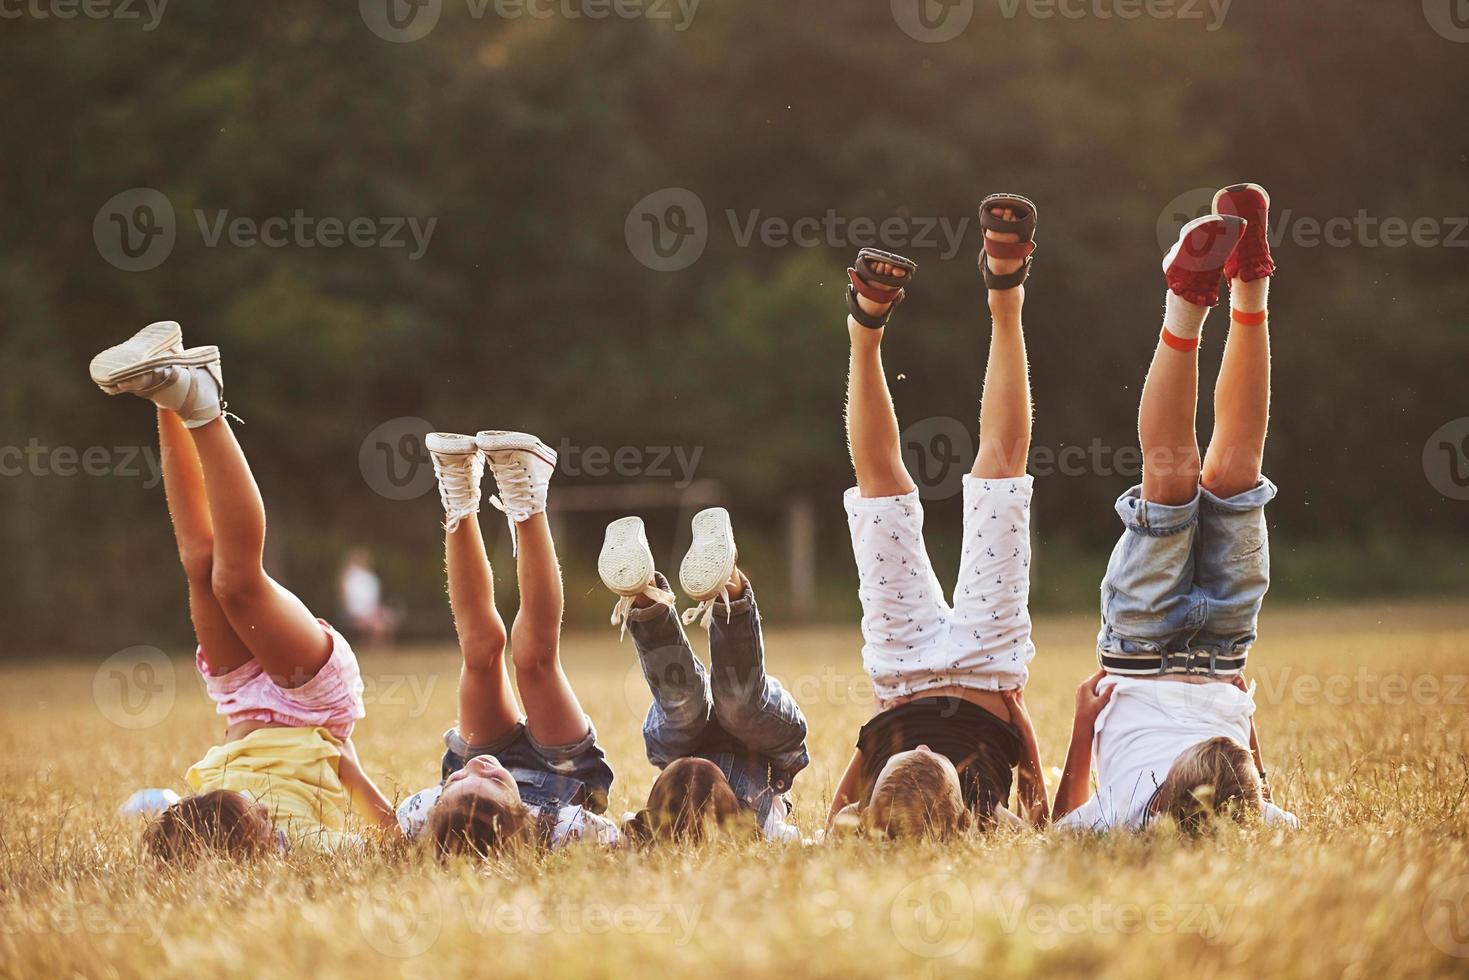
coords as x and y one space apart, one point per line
1143 730
362 593
573 823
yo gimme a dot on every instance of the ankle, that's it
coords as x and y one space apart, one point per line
1006 304
864 338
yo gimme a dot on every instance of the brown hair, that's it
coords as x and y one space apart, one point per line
691 801
917 799
220 821
1213 777
470 824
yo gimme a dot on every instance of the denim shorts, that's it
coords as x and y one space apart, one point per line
1183 588
548 776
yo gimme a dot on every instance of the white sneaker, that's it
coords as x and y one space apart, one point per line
151 347
190 383
707 568
627 568
460 467
522 465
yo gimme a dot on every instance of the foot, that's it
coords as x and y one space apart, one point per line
140 353
872 307
189 382
522 465
460 467
709 569
1251 202
1005 300
627 569
1194 265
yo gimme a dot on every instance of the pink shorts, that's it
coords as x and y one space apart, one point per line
331 700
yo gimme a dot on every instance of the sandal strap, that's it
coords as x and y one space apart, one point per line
995 281
867 319
876 293
1023 226
868 256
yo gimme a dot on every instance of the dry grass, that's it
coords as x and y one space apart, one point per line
1363 711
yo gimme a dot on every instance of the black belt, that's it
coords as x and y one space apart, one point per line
1209 663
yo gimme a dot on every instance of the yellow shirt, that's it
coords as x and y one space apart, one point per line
291 771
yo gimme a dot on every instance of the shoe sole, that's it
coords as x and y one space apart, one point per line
1189 229
711 558
450 444
626 563
1234 188
140 353
494 441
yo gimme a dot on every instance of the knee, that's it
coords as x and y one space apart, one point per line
533 657
483 648
235 585
198 562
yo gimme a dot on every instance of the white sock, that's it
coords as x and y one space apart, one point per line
1250 297
1184 320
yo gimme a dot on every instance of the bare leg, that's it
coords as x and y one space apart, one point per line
554 715
1241 412
1166 426
872 423
1005 408
487 708
279 630
188 506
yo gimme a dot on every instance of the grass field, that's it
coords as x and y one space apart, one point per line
1364 714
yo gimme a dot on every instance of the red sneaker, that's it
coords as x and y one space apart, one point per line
1252 259
1193 266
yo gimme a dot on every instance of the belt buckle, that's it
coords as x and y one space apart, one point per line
1188 662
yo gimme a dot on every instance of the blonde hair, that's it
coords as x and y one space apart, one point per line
1213 777
917 799
691 801
220 821
473 825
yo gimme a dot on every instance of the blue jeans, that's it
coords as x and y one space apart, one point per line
1188 580
741 719
550 776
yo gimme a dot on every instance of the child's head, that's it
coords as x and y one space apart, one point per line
691 801
917 794
480 811
1216 776
220 821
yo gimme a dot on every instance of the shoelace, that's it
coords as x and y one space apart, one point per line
513 482
624 607
459 488
704 611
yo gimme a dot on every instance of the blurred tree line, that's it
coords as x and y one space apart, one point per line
528 140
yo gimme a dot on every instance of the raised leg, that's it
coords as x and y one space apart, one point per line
1166 418
872 423
682 703
280 632
1005 407
188 506
553 713
1241 412
487 708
